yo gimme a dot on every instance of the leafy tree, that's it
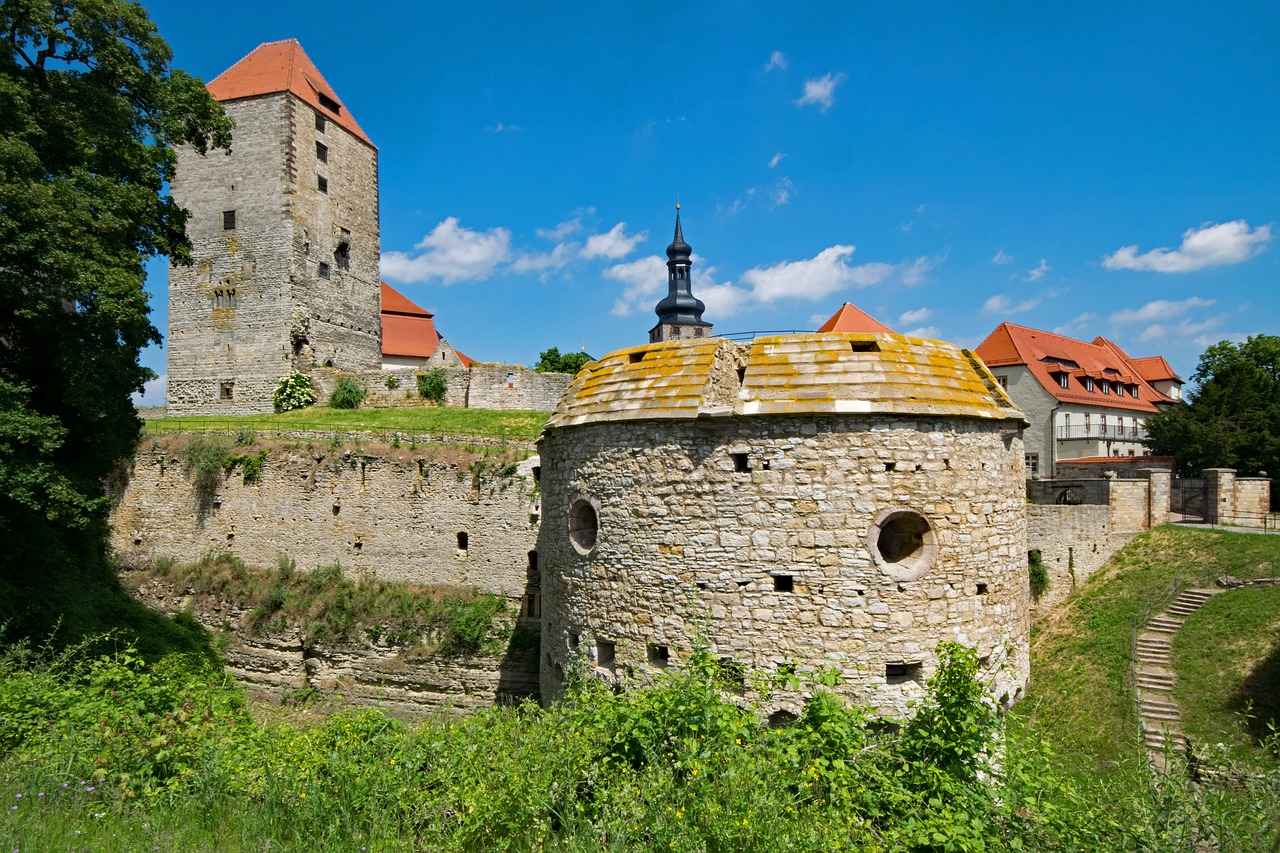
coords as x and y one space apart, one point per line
551 361
1232 418
89 113
347 394
433 386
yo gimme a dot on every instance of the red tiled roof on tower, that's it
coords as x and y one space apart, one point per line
850 318
282 66
1049 357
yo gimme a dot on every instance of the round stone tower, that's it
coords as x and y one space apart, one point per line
796 503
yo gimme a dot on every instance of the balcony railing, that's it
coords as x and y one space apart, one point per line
1110 432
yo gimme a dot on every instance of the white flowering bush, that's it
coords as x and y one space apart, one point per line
293 392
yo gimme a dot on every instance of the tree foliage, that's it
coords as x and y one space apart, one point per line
89 113
1232 418
551 361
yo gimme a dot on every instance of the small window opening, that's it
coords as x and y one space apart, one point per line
897 673
764 464
462 541
342 256
1064 380
731 675
864 346
322 183
531 606
228 220
784 583
324 270
322 152
889 466
537 473
573 641
659 655
741 463
337 508
329 103
605 653
982 589
742 375
741 584
1003 382
226 391
321 122
583 526
636 357
358 545
702 585
533 561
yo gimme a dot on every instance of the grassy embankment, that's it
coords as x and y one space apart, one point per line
167 756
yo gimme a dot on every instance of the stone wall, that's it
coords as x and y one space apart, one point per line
1074 542
406 683
772 538
411 517
505 387
1253 499
1124 467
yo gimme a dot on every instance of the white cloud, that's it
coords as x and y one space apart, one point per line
1002 258
782 192
564 229
814 278
613 244
1180 331
153 392
1073 326
1037 273
545 262
1002 304
450 253
776 159
642 279
776 60
923 332
504 128
722 300
919 315
821 91
1159 309
914 273
1207 246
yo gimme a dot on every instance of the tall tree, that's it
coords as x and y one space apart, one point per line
1232 417
90 111
551 361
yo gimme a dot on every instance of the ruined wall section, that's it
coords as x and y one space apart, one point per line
755 533
336 316
229 311
502 387
405 519
1074 542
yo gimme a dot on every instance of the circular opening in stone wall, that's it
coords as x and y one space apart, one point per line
583 526
903 544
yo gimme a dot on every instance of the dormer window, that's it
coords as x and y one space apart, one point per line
1106 387
1064 379
1133 391
329 103
1088 383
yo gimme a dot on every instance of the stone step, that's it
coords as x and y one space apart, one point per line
1155 683
1146 642
1156 716
1156 703
1151 658
1164 625
1183 608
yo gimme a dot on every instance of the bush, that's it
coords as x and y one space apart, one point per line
1037 572
432 386
206 463
293 392
393 381
347 394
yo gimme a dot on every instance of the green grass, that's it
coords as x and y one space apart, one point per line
1080 692
1227 658
424 420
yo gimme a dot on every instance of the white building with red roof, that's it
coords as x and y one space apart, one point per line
410 338
1084 400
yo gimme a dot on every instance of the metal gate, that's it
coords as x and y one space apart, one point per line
1187 498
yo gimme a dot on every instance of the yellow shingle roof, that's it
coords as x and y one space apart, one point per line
821 373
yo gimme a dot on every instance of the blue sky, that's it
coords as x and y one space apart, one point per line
1089 168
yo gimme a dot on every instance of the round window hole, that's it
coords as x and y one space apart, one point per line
583 526
903 544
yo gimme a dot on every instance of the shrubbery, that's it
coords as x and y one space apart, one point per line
293 392
347 394
433 386
1037 573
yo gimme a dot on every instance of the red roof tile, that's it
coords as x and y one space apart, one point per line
282 66
1047 355
1155 368
850 318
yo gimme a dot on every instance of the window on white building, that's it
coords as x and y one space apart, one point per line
1033 464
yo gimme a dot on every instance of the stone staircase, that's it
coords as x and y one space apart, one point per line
1154 674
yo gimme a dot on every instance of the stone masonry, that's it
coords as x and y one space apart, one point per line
794 518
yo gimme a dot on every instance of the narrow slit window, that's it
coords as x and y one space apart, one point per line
741 463
228 220
462 540
322 183
322 152
636 357
321 122
864 346
324 270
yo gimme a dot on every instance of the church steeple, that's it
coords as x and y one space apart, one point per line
679 312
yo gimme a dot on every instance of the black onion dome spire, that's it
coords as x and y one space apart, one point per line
679 248
679 306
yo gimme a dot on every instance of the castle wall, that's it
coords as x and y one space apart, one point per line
1124 467
755 534
1074 542
504 387
397 519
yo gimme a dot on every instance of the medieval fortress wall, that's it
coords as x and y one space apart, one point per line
483 385
412 520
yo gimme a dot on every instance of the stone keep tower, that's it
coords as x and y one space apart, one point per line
798 502
284 234
679 312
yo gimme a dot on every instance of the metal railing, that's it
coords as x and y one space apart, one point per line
1110 432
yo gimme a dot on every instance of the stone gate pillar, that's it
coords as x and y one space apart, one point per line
1219 495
